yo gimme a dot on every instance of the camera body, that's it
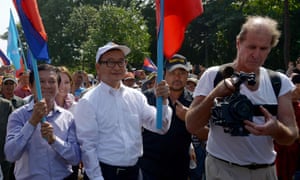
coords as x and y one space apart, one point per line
229 112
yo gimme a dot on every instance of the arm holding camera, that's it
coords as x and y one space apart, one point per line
200 110
282 129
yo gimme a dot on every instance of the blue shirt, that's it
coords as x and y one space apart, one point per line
34 158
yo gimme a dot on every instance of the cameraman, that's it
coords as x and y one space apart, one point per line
252 156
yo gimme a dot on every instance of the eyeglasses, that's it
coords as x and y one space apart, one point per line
111 64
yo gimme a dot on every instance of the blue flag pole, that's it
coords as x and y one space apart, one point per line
160 64
37 82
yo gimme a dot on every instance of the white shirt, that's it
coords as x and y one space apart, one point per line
243 149
109 125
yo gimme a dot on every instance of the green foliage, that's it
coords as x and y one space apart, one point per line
210 39
95 27
76 28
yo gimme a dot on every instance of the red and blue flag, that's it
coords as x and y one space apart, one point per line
149 65
33 27
3 59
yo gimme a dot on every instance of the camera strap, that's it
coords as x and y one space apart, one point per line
275 80
276 85
270 107
219 76
274 77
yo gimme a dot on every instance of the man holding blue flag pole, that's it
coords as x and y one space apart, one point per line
44 150
118 114
173 17
35 36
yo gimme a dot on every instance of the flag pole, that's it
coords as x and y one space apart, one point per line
37 82
160 64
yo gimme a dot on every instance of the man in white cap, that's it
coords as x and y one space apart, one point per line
110 118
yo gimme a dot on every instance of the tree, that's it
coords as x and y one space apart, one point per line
95 27
209 39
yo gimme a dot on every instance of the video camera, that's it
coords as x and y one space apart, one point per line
229 112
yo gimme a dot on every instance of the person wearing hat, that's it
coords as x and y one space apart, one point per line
110 118
9 83
149 82
167 156
191 84
129 79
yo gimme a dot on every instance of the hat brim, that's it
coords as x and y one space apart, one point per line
9 79
124 49
192 80
129 78
177 66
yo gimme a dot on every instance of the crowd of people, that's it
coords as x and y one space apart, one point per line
104 126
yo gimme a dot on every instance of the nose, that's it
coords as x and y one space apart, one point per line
46 84
256 53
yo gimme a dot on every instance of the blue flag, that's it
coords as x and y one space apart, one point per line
12 43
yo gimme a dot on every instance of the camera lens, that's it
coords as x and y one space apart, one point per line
242 109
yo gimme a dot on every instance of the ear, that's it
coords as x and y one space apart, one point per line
237 43
98 69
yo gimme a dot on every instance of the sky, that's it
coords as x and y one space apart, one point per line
5 5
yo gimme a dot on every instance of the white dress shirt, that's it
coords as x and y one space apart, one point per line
109 125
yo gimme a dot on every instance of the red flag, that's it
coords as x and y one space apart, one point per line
177 15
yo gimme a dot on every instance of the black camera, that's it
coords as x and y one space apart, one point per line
229 112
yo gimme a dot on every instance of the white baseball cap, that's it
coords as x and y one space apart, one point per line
109 46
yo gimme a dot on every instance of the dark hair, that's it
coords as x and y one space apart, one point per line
44 67
296 79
